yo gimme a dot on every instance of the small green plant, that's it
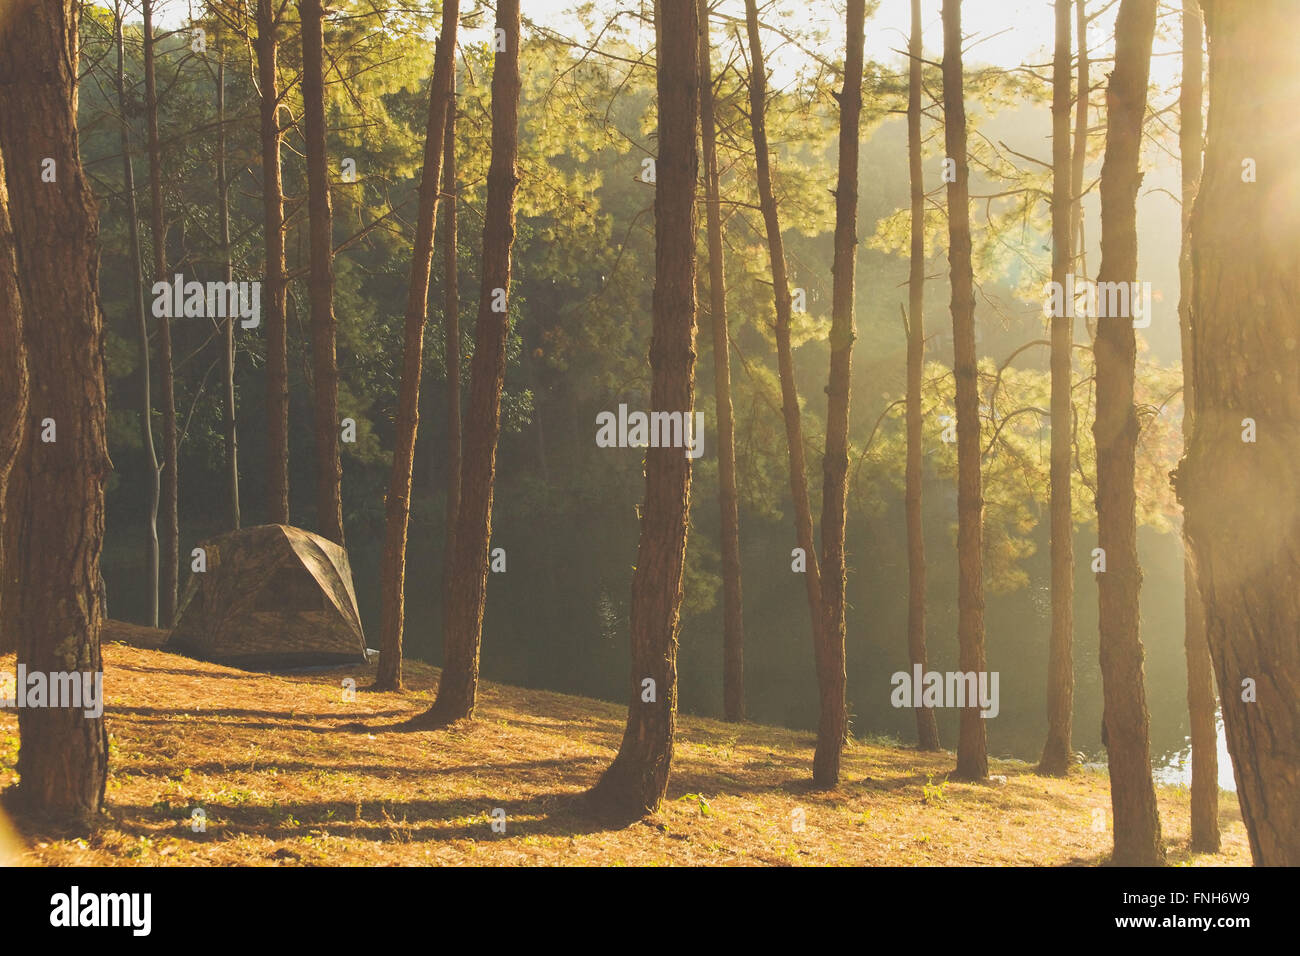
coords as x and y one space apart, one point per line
932 793
140 849
705 809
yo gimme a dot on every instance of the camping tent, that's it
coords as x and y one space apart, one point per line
271 596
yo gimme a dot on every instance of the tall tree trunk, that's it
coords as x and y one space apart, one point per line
1201 704
451 336
1132 793
1079 159
463 612
325 369
803 523
1057 751
733 621
1242 498
277 343
137 274
972 740
636 781
397 506
927 728
63 759
13 419
170 530
228 353
832 728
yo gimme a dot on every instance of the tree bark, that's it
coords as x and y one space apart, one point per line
1058 753
451 336
803 523
397 506
635 783
277 344
1133 798
1201 704
1242 499
927 728
63 760
170 530
833 728
13 418
733 622
325 369
463 612
230 427
972 740
137 269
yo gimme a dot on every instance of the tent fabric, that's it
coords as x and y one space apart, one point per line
271 596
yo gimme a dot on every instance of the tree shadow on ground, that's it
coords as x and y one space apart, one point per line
182 672
1177 853
562 813
221 718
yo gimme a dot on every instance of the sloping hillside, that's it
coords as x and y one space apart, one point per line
288 772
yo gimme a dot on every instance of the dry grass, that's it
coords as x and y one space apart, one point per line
283 779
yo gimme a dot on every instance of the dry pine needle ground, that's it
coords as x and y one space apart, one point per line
288 772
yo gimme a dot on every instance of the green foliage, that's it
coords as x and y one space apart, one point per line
932 793
580 303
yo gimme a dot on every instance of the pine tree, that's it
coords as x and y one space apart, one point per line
397 506
832 728
467 593
1132 792
927 728
634 784
1240 497
1057 751
169 531
64 463
972 742
733 623
277 343
1201 706
325 369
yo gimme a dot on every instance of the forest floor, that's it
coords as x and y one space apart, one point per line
287 772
